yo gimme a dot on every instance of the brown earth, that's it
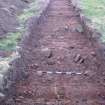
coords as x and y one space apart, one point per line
58 46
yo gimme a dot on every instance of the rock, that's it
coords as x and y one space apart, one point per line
49 78
19 99
66 28
13 9
50 62
33 66
79 28
25 74
26 1
4 66
81 60
36 65
1 81
71 47
96 35
2 97
47 52
78 59
93 53
39 73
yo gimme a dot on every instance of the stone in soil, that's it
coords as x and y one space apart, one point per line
2 97
93 53
66 28
39 73
79 28
78 59
47 52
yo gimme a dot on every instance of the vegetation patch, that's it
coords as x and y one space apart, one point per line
35 9
95 10
9 43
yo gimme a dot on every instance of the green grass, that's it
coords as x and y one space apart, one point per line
10 42
95 10
35 8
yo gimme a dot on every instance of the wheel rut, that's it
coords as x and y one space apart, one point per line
61 62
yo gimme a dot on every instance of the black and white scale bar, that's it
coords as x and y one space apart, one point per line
58 73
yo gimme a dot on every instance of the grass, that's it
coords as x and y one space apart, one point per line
95 10
35 8
9 43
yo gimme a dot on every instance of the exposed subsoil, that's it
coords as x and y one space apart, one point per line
59 63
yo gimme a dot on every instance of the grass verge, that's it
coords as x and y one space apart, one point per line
95 10
9 43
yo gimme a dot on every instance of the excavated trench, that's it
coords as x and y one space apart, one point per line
59 65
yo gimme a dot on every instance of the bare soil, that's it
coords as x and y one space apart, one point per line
60 65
